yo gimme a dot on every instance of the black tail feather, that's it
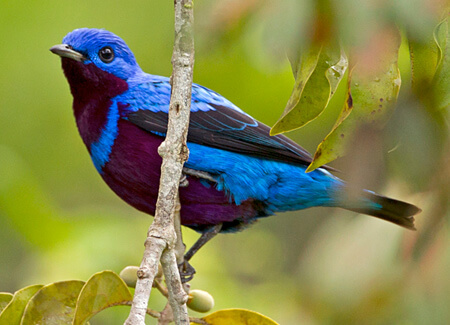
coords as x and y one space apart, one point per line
395 211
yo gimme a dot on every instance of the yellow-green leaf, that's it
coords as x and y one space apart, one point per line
318 74
424 61
12 313
373 87
5 298
302 70
104 289
430 67
238 317
441 82
53 304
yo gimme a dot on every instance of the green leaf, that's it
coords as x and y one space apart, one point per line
104 289
372 91
430 67
13 312
53 304
424 62
238 317
5 298
441 82
318 74
430 63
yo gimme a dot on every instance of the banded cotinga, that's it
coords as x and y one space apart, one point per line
236 171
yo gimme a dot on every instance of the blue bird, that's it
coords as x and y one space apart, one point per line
236 172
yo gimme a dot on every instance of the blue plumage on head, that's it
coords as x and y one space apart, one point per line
89 41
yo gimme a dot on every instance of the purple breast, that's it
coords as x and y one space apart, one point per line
133 173
92 90
133 168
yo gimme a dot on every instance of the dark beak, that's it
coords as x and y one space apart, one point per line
66 51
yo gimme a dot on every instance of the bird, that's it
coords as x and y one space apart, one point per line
236 172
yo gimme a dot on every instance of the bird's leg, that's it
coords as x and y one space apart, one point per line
198 174
186 270
209 234
184 181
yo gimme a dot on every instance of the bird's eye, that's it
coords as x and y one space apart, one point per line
106 54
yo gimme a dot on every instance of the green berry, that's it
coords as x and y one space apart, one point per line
129 275
200 301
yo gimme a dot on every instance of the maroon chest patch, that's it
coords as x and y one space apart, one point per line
92 90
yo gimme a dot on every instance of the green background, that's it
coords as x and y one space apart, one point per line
59 221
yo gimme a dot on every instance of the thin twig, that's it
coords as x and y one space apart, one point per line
166 315
150 312
161 288
198 321
161 236
146 274
177 295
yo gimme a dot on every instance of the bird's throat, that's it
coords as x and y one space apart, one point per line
93 90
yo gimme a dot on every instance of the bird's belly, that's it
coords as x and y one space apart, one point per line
133 173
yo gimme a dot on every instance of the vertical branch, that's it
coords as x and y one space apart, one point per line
161 236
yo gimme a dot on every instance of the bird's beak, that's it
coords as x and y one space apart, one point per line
66 51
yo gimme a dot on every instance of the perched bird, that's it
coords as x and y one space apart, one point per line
236 172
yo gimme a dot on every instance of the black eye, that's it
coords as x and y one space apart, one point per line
106 54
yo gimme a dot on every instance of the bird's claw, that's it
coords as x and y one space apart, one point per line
184 181
187 271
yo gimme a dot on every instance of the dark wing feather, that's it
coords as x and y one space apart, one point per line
228 129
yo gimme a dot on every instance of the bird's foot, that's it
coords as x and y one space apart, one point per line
184 181
199 174
187 271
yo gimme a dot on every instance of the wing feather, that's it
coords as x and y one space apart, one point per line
217 123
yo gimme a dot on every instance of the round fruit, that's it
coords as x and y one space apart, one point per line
200 301
129 275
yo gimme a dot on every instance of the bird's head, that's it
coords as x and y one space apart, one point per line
94 57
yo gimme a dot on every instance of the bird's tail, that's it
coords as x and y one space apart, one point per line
395 211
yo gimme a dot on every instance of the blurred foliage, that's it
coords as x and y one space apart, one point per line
237 317
75 302
58 220
65 302
318 73
53 304
12 312
372 90
374 78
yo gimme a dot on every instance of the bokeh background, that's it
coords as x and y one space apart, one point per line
59 221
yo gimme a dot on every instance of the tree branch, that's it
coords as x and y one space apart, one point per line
161 236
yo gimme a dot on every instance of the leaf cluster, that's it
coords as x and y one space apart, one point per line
372 88
329 41
74 302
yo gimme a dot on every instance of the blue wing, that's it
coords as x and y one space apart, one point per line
214 122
